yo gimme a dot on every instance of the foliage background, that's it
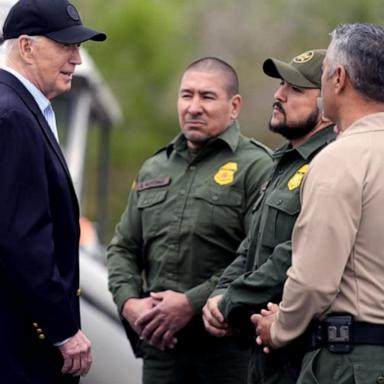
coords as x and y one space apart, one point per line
150 42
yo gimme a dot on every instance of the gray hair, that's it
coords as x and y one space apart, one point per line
359 48
10 44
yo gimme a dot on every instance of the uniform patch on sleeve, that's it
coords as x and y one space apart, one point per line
295 181
153 183
226 173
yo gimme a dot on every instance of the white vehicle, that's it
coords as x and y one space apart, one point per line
91 105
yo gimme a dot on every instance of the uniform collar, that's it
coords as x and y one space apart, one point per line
368 123
305 150
229 137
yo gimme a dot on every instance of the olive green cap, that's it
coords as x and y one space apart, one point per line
303 71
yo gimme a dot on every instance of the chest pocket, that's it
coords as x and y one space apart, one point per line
219 212
283 209
150 204
150 198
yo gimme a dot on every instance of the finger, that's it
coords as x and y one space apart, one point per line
156 338
213 322
76 365
266 350
147 331
215 312
146 317
266 312
67 365
272 307
86 363
255 318
218 332
168 340
259 341
157 296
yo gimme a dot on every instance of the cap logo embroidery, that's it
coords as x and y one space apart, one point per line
295 181
226 174
72 12
304 57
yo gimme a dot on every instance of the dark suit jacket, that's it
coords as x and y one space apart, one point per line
39 243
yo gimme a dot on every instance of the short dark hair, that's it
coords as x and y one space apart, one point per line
215 64
359 48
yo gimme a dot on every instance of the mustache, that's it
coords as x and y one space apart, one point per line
279 106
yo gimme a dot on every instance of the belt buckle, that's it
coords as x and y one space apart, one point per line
339 333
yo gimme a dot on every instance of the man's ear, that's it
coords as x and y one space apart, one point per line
236 102
340 78
25 48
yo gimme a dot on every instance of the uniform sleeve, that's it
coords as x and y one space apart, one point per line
124 255
234 270
322 242
257 174
27 249
253 290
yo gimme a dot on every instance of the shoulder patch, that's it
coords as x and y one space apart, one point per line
261 145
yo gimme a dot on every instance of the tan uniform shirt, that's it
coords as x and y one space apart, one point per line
338 239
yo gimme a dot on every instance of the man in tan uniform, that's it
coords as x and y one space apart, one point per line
334 291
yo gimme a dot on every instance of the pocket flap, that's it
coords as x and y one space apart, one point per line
149 198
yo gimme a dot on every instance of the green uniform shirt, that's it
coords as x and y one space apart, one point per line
258 274
186 216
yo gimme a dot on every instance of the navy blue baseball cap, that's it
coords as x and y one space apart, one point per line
58 20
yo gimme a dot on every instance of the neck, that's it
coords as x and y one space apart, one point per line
353 112
318 127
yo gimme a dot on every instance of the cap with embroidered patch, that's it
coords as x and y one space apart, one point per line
58 20
303 70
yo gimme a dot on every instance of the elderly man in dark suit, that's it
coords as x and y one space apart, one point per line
41 340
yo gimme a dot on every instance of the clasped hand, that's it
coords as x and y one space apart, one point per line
263 323
156 319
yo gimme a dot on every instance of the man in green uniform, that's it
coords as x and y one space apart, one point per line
334 290
258 274
187 213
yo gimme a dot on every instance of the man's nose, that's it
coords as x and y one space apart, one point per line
76 56
281 93
195 106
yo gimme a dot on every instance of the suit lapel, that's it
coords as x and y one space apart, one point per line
12 82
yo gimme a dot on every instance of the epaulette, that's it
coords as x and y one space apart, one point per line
261 145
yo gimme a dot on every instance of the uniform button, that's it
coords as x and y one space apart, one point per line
279 202
39 330
145 202
192 168
78 292
182 192
215 197
380 380
41 336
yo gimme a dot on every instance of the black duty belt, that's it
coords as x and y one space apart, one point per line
339 333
